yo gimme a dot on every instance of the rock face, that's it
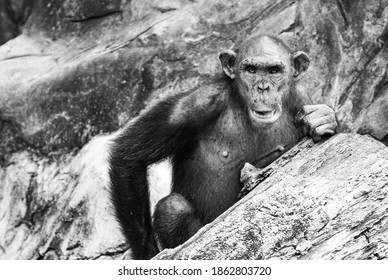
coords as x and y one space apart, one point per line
58 208
84 68
322 201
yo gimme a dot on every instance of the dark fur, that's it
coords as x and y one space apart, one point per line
147 141
204 182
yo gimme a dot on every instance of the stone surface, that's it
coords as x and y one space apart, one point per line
318 201
58 208
80 69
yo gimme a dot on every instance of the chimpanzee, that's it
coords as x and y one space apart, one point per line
251 114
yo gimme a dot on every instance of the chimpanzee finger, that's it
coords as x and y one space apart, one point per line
307 120
327 133
324 129
307 109
313 111
318 121
320 109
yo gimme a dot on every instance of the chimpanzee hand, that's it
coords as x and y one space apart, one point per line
317 120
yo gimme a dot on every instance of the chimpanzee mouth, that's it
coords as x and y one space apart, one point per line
267 116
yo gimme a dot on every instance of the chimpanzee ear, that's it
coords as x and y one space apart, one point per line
301 63
228 60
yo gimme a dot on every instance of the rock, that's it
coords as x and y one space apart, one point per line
58 209
81 69
318 201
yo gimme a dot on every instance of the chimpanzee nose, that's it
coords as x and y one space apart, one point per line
263 86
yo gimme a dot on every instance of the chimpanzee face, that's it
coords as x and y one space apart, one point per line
264 74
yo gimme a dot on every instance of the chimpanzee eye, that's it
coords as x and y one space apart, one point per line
251 69
274 70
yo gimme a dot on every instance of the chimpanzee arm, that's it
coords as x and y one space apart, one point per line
169 127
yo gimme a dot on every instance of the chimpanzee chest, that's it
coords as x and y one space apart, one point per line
236 141
214 166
